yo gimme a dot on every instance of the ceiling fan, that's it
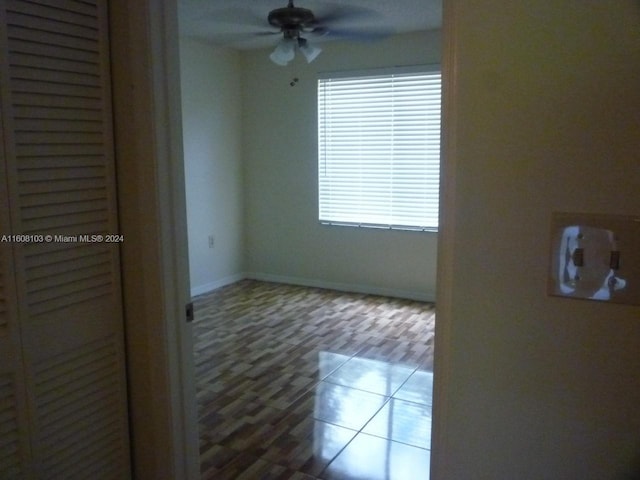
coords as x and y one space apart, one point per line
292 22
297 23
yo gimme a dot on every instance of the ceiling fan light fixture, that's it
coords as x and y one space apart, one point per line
284 52
309 51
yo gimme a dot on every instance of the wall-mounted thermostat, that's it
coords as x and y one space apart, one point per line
595 257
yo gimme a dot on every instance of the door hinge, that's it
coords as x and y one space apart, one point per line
189 312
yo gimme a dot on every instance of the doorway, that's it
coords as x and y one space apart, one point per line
298 179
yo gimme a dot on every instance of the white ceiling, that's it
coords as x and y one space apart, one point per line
234 23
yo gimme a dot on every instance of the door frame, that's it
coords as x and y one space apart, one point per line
446 241
152 212
150 166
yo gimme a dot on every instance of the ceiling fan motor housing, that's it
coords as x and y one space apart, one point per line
291 18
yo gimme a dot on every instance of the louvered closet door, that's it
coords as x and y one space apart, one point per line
59 154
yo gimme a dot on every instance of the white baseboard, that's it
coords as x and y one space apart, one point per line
344 287
208 287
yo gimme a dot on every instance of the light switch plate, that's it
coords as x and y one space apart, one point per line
595 257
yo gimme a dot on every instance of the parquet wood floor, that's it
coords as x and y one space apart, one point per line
296 382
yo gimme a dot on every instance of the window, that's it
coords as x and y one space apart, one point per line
379 148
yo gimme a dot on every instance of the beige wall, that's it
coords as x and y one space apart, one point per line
212 127
284 240
545 117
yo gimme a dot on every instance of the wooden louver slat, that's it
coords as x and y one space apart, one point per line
34 22
55 12
84 7
32 55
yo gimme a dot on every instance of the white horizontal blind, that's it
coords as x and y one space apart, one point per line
379 149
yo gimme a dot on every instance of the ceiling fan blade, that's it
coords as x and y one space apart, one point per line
238 38
342 13
350 34
264 34
238 16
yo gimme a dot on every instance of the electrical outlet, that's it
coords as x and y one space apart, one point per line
212 241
